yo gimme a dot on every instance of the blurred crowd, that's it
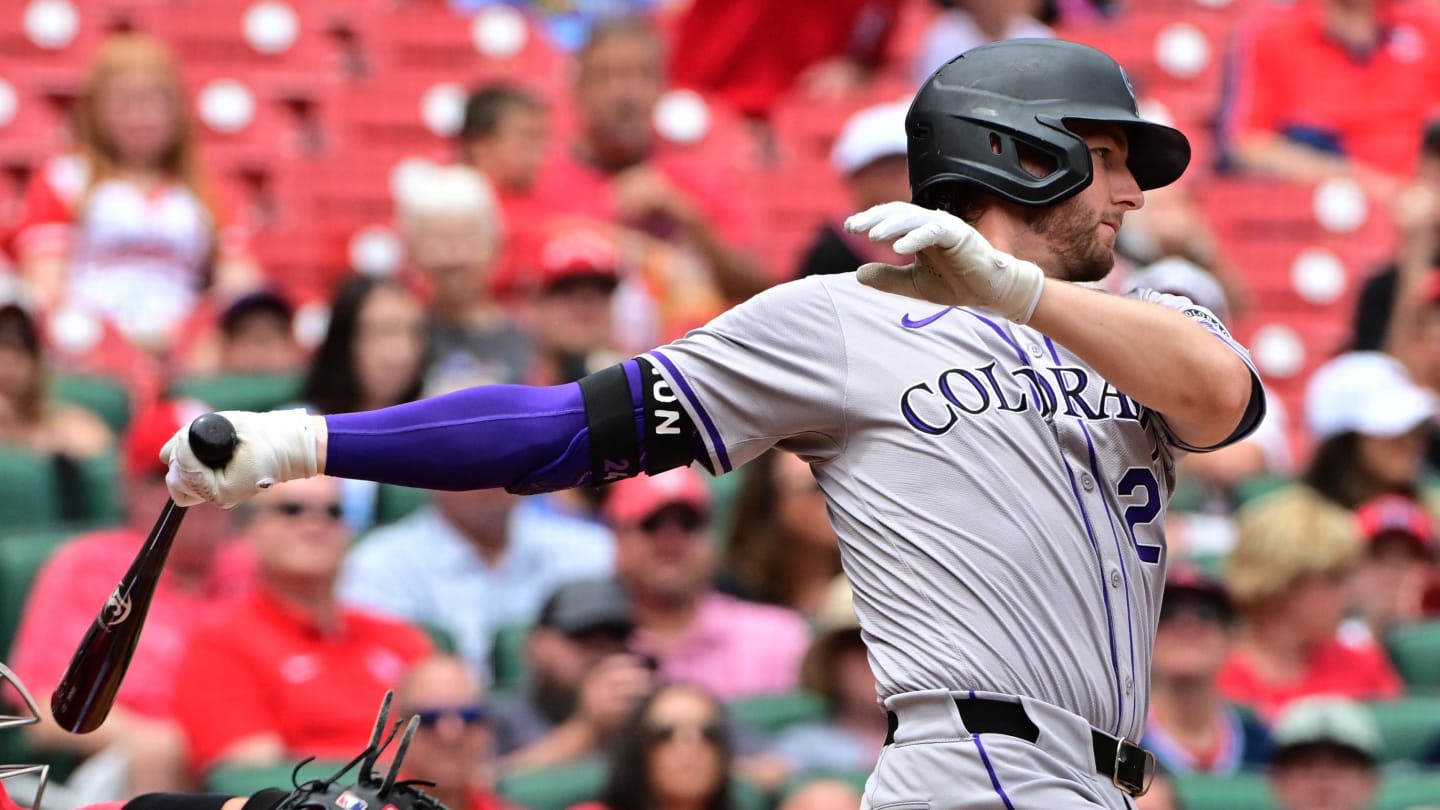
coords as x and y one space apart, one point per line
680 642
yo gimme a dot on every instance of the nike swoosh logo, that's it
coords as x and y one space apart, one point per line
906 322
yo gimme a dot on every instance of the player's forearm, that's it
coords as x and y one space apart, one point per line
1155 355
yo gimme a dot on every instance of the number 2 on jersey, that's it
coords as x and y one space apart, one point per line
1141 478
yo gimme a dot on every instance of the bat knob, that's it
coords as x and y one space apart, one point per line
213 440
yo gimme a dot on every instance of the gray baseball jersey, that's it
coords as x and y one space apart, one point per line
1000 507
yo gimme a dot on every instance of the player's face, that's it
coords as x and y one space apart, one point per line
1075 240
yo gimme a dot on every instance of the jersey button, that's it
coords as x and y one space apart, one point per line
1035 350
1087 482
1114 578
1129 685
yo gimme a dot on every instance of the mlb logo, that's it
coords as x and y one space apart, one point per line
349 801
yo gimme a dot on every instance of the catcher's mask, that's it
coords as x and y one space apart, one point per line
29 715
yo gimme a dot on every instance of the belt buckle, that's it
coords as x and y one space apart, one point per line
1123 781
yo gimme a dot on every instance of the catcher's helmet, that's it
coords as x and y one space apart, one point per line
963 124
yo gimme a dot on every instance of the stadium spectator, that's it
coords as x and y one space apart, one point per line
665 559
870 155
1370 422
674 752
30 418
1326 756
257 336
965 24
1190 728
469 563
1383 300
582 680
290 672
750 54
128 227
454 747
781 549
1399 562
619 172
505 136
373 356
1333 88
572 308
451 226
142 740
1291 576
837 669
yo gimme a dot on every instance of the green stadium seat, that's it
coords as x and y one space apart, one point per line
21 555
562 787
98 498
245 781
393 503
1415 651
29 492
769 714
1409 791
241 392
554 788
106 396
507 657
1204 792
1258 487
1409 727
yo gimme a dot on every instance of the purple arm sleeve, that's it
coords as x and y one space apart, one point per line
525 439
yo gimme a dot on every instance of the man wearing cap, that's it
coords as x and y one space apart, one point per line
582 679
202 575
1326 756
257 336
1190 727
869 156
665 558
1399 562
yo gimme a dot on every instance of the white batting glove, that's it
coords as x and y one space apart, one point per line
273 447
954 265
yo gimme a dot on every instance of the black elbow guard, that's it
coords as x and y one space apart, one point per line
627 436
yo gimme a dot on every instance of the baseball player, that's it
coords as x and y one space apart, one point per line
995 437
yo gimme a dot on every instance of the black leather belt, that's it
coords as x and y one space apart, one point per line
1124 763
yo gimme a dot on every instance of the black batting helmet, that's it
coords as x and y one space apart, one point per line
964 123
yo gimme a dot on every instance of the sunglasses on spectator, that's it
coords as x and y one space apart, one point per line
294 509
682 517
469 715
1203 610
660 733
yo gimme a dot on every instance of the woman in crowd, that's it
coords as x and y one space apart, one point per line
781 548
29 419
373 356
674 753
1291 576
127 227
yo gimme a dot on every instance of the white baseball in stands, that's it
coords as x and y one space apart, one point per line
75 331
271 27
312 321
227 106
1318 276
682 116
1278 351
1182 50
1340 205
375 250
443 108
9 103
498 31
51 24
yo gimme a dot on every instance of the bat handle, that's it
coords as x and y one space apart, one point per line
213 440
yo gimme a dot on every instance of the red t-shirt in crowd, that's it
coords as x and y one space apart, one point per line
750 52
1294 78
74 583
266 667
1359 671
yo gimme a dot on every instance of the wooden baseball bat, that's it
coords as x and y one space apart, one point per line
87 691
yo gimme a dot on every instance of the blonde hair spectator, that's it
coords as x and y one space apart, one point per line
1283 540
429 190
